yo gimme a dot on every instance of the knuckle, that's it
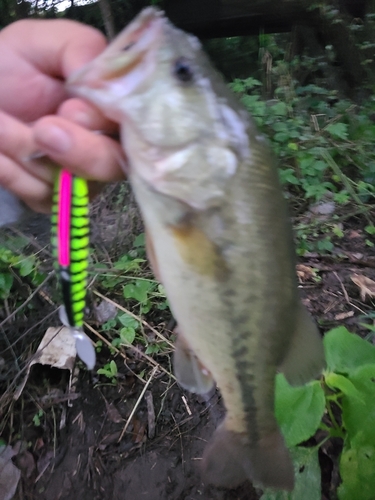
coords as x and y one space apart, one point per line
7 175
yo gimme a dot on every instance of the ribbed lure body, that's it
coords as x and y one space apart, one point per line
70 242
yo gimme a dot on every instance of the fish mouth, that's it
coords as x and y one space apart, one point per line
128 60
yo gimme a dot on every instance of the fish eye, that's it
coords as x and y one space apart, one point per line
128 46
182 70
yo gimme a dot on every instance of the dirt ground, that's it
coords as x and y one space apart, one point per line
79 448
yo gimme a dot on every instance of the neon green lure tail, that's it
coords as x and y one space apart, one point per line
70 243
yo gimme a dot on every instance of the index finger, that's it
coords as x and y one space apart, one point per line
57 47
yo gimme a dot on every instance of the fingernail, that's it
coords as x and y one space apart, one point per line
82 118
53 139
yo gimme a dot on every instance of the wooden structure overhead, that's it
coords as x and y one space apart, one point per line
225 18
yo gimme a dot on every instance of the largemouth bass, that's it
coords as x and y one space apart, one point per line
219 237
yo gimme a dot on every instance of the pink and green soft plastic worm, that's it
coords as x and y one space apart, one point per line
70 242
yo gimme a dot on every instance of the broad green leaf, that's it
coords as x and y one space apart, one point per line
345 351
109 370
138 290
338 130
153 349
360 417
287 176
343 384
128 263
127 334
281 137
6 256
280 126
357 466
6 282
113 367
139 241
307 477
26 266
250 100
299 410
112 281
109 325
279 109
254 105
128 321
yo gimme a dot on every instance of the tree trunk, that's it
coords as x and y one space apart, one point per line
106 12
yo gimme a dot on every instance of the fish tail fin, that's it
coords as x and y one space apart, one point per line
305 358
229 460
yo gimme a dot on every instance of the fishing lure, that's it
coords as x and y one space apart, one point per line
70 243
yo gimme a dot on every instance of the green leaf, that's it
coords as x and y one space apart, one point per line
279 109
324 245
280 126
299 410
357 466
152 349
338 130
112 281
360 417
287 176
128 321
6 282
253 105
162 291
127 334
6 256
343 384
139 241
109 370
292 146
345 351
128 263
109 325
138 290
370 229
26 266
281 137
113 367
307 476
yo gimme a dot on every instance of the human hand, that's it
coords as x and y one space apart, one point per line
36 56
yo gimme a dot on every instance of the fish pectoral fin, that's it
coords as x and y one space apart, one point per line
305 359
229 460
189 371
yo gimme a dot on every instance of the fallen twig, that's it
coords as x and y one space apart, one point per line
137 403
